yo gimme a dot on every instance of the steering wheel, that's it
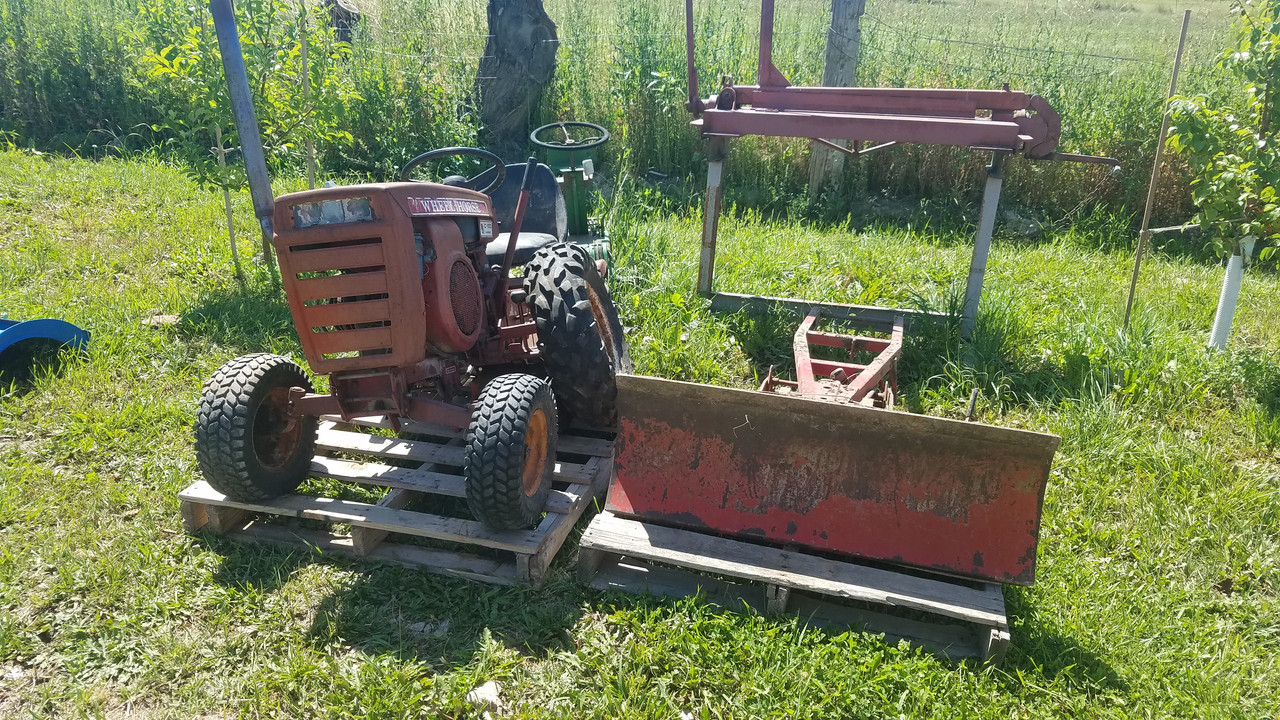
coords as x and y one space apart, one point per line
492 159
600 137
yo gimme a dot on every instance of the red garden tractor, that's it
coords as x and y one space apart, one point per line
403 295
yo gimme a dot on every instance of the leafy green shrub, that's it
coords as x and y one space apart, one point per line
64 76
185 79
1231 148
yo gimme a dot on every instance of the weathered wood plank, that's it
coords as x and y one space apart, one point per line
224 519
567 442
442 562
604 473
554 530
638 577
333 440
590 562
372 516
994 646
870 317
194 516
419 479
779 567
346 441
363 539
776 598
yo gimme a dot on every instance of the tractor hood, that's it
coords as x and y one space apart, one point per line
375 202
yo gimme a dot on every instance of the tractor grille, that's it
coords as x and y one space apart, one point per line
464 295
343 288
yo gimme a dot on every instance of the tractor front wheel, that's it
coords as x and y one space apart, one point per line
511 451
579 334
248 445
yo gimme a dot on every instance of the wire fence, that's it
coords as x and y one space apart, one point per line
909 48
634 82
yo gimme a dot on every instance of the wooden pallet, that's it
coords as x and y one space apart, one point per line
638 557
378 530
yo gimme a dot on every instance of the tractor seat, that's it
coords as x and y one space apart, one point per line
546 211
526 245
545 220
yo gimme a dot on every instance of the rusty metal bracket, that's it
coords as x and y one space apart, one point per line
1078 158
874 384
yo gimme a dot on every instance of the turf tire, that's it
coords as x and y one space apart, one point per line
245 446
510 455
579 334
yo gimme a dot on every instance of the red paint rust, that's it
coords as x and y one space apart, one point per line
957 497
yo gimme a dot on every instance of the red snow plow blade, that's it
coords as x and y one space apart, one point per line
955 497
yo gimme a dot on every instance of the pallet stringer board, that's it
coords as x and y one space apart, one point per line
638 557
411 470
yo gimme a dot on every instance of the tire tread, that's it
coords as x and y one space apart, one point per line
581 368
223 429
495 452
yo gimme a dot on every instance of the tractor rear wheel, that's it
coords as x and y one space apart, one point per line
511 451
579 334
247 444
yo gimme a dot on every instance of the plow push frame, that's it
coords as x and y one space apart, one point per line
816 488
1005 122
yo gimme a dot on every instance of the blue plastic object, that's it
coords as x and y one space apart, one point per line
61 332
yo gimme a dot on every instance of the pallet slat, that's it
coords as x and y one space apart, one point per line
374 526
363 539
952 640
608 533
444 562
372 516
333 440
556 528
575 444
425 481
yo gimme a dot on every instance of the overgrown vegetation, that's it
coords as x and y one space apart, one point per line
1159 560
79 78
1231 148
1157 591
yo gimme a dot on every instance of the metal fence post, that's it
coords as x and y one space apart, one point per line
255 161
982 245
717 150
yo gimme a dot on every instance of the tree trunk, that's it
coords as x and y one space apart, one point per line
519 60
840 70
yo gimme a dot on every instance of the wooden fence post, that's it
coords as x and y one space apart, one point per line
840 70
305 40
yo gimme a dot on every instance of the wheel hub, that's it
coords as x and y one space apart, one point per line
276 433
535 452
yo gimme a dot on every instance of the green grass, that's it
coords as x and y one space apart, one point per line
1164 489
